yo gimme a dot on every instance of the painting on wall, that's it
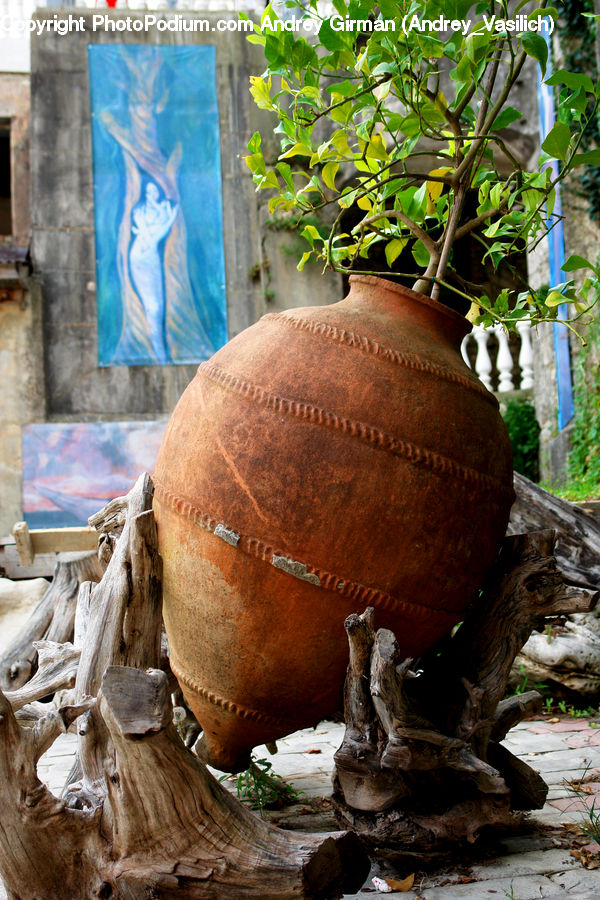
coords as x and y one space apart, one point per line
70 471
160 268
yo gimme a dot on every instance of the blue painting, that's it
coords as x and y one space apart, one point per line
70 471
160 268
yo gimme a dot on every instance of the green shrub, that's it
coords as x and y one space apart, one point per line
584 454
524 433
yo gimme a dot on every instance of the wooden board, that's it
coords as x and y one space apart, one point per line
30 543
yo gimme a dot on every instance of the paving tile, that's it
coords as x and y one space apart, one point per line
530 863
536 744
578 879
580 804
587 739
564 725
570 762
555 817
525 887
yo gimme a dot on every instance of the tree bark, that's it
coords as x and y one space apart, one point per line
421 765
144 818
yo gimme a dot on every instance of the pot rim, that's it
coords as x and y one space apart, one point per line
424 299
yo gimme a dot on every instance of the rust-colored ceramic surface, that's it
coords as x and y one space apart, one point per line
324 460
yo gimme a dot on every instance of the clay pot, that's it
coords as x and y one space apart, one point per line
324 460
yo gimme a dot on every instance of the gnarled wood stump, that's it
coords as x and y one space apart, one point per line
141 817
421 765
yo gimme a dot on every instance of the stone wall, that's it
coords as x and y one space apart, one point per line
21 378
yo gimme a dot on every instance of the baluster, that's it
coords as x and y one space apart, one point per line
463 350
525 355
504 361
483 363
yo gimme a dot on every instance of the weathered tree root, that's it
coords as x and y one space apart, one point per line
141 817
421 765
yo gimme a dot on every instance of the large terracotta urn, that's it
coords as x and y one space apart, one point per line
326 459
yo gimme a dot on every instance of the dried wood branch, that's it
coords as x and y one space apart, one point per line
420 763
146 817
57 670
52 619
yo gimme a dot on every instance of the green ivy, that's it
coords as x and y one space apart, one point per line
524 433
584 455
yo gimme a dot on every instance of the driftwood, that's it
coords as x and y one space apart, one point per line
567 656
141 816
52 619
421 765
577 548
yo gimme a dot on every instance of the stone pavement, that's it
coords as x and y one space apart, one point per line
534 864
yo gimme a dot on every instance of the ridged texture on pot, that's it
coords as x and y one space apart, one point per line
324 460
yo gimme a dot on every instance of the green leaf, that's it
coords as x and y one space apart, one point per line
345 88
416 200
496 194
286 174
554 298
256 163
573 80
394 248
589 158
532 199
410 125
392 187
535 46
377 149
346 200
303 55
477 44
557 141
311 234
505 118
328 174
339 140
576 262
254 143
305 257
462 73
331 40
275 48
421 254
260 90
268 181
297 150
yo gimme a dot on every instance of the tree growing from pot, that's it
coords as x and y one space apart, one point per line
395 126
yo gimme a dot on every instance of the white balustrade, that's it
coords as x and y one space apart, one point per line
504 361
483 360
525 355
497 371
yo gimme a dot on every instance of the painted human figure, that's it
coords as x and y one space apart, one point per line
152 221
